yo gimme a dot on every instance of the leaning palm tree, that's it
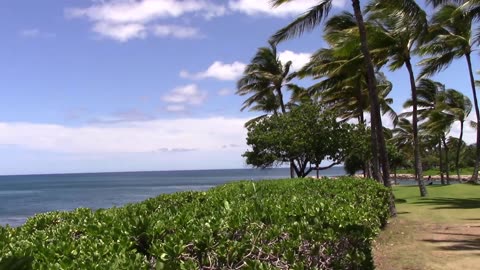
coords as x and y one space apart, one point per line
402 32
310 20
451 38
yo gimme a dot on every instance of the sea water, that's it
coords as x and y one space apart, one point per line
22 196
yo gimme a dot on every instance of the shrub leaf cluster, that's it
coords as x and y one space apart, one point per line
281 224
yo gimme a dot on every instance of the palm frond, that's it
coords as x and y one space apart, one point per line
306 22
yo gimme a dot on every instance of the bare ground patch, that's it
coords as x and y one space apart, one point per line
407 245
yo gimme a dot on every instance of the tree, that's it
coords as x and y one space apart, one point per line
402 32
451 38
306 135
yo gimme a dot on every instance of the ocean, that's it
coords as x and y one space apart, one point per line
22 196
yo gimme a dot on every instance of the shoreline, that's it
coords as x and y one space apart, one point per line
409 176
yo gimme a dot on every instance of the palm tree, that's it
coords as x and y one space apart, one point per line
264 79
451 38
459 106
311 19
439 124
403 31
428 95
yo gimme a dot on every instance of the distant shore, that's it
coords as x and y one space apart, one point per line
408 176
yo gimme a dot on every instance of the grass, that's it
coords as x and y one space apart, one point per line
441 231
432 172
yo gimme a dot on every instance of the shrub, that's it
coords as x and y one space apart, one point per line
282 224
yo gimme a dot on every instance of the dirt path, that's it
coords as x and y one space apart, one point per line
407 246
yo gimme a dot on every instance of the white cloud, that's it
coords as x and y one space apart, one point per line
129 11
224 92
264 7
298 59
120 32
206 134
122 20
218 70
188 94
35 33
175 31
175 108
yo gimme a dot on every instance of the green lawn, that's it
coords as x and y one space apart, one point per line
463 171
441 231
451 203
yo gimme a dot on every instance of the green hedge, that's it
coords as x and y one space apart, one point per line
281 224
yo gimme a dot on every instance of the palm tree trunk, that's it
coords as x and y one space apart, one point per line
282 106
447 167
459 148
280 99
374 108
477 114
442 178
416 145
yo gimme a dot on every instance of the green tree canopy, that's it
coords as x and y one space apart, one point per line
307 135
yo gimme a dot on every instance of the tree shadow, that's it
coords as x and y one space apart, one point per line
459 234
451 203
456 244
399 201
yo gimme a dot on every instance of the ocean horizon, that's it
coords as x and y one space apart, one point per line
23 196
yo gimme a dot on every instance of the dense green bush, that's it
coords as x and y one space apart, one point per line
282 224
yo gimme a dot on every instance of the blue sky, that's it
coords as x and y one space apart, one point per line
125 85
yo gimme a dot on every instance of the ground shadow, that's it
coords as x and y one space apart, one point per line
456 244
403 213
451 203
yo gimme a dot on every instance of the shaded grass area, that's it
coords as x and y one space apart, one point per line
441 231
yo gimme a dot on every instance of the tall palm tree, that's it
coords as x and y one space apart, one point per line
451 38
307 22
403 31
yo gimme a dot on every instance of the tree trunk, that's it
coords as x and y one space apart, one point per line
447 167
395 174
381 156
442 178
477 114
459 148
292 169
416 145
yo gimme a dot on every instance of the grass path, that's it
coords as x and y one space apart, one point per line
438 232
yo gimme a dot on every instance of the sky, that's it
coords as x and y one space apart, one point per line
130 85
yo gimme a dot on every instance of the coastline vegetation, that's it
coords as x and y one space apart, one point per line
271 224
